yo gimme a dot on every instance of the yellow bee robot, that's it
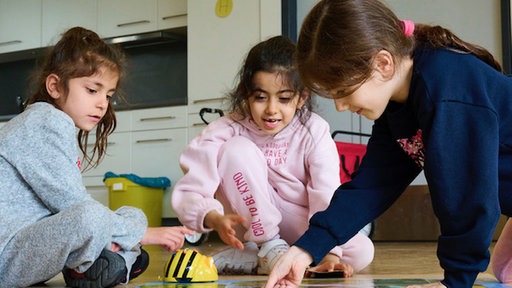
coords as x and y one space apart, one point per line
188 266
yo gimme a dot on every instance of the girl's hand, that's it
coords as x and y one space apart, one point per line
347 269
331 263
224 224
171 238
289 269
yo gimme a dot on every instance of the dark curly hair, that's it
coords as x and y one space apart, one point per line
273 55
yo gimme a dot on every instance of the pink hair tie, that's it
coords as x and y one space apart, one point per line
408 27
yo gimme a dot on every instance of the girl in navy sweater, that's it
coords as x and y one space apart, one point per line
439 104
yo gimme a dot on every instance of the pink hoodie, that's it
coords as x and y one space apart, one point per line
302 160
277 182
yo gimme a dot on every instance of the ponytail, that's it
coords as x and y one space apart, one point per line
439 37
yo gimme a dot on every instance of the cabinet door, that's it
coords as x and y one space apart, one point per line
213 68
155 154
60 15
172 14
117 158
20 25
159 118
123 17
195 126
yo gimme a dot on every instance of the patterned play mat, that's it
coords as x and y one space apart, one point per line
331 283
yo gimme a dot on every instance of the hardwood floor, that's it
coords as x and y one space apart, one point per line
403 260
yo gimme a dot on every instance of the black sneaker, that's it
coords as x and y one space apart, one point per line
140 265
106 271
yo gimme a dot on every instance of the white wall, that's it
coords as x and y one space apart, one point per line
476 21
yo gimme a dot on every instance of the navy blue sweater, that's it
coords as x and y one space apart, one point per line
457 126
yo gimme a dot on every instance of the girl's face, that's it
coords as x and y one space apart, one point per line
88 97
273 104
368 99
388 82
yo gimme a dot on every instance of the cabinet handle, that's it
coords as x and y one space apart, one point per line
10 42
154 140
133 23
207 100
198 124
172 16
108 143
157 118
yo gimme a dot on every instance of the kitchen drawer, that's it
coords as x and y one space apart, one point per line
117 158
124 121
124 17
159 118
172 14
20 25
196 125
155 154
195 105
60 15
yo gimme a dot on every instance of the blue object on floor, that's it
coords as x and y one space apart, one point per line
153 182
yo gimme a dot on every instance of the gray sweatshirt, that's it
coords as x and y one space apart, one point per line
39 174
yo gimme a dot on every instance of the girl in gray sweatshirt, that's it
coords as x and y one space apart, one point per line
49 221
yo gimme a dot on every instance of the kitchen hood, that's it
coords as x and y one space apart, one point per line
150 38
127 41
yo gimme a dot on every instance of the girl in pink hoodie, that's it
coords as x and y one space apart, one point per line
257 175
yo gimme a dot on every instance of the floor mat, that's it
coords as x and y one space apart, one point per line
331 283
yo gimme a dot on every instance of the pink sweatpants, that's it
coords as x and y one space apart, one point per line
245 190
501 260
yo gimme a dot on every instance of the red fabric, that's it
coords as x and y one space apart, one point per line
351 155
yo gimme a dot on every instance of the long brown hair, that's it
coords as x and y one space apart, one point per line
81 53
339 38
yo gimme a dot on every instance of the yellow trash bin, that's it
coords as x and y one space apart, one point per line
123 192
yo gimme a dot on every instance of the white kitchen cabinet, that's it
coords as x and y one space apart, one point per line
159 118
60 15
117 157
20 25
195 126
155 153
158 137
45 21
123 17
148 143
172 14
212 68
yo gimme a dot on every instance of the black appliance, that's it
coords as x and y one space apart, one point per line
156 74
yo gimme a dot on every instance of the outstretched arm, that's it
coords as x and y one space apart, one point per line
171 238
289 269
